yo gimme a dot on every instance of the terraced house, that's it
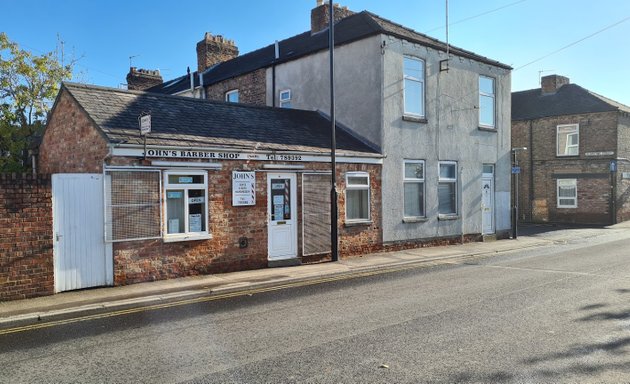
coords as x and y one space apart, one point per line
577 167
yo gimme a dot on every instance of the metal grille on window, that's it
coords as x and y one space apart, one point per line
132 205
315 214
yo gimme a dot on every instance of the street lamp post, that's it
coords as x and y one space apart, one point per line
515 171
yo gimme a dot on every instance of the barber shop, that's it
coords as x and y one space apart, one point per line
148 187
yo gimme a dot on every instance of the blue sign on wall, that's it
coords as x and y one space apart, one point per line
516 170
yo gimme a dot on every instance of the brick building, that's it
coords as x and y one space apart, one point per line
576 168
213 187
439 114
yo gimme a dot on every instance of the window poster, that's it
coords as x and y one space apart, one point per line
194 222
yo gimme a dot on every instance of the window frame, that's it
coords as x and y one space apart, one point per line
573 183
232 92
567 146
361 187
186 235
494 102
409 180
421 81
282 102
454 181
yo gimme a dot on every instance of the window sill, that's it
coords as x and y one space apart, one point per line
487 128
191 237
414 219
447 217
568 156
358 223
415 119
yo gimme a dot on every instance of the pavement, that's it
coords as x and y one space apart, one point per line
90 301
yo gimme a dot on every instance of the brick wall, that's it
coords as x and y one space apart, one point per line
71 143
541 167
148 260
26 257
251 88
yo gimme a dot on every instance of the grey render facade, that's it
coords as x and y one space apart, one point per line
576 168
440 143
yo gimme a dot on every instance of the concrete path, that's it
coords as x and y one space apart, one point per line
84 302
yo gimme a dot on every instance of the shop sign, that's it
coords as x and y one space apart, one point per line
243 188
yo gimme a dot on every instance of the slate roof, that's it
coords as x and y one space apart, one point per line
188 122
352 28
570 99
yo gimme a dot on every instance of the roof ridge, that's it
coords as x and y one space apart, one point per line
69 84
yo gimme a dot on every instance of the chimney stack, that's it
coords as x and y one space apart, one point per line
551 83
213 50
140 79
320 16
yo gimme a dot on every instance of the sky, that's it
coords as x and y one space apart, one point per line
162 34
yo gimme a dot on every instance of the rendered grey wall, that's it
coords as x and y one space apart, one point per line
450 133
357 85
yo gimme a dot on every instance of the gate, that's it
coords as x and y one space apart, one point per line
81 258
315 213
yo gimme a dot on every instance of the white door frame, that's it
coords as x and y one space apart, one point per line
285 229
487 183
81 258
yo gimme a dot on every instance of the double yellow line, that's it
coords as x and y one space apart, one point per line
205 299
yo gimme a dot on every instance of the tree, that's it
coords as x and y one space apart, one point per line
28 86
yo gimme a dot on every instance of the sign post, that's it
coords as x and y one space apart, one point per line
145 128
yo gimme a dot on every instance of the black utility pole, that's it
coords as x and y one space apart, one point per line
333 192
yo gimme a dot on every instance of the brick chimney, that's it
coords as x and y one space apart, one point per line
551 83
320 16
213 50
141 79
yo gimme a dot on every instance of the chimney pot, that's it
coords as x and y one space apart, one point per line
320 15
141 79
213 50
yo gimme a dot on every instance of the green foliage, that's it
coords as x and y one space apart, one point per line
28 86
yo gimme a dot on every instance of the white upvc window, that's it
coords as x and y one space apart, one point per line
567 193
231 96
285 98
186 197
447 188
357 197
568 140
413 186
413 70
486 102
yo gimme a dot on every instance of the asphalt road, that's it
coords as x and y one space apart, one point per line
554 314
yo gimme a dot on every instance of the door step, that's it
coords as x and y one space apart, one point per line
488 238
284 262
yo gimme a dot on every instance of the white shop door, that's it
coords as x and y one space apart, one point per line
282 216
81 257
487 200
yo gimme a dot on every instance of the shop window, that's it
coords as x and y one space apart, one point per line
186 199
285 98
357 197
486 102
232 96
567 193
413 185
447 188
568 140
414 86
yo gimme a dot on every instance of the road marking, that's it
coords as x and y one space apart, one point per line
212 298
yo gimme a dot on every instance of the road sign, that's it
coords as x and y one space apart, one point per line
516 170
613 166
